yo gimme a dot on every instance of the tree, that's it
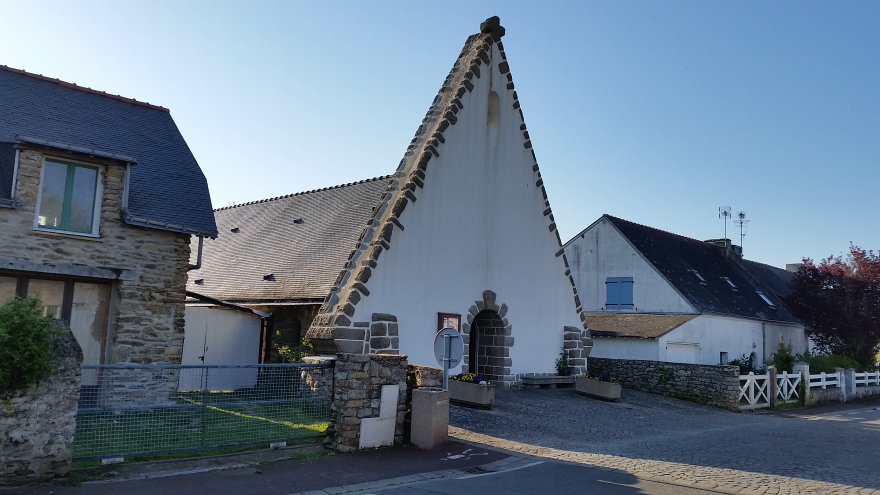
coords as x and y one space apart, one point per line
839 299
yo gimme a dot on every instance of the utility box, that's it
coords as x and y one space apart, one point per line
430 418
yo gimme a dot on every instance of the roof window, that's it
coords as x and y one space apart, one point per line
728 282
698 275
766 300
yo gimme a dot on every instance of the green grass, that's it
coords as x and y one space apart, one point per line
169 429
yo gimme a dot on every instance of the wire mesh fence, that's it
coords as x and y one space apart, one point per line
127 410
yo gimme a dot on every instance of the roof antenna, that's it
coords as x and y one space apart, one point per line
742 223
724 211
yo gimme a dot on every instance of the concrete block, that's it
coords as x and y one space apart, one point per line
430 418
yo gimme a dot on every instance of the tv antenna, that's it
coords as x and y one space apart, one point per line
724 211
742 223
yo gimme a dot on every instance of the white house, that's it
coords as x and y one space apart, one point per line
653 295
460 235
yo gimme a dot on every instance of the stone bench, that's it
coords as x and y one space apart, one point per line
546 380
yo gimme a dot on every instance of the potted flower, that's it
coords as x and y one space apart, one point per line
600 386
471 389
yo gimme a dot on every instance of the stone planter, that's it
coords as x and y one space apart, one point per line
595 388
472 394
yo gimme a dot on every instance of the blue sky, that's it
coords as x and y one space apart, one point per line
656 112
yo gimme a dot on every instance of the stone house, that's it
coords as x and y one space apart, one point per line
99 198
461 235
657 296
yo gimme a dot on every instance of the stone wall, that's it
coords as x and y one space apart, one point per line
713 385
37 423
359 380
148 310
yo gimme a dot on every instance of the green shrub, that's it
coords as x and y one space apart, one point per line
292 353
563 367
783 358
827 363
25 344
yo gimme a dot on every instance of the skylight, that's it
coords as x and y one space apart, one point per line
698 275
766 300
728 282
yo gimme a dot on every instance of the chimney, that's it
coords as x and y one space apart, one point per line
793 267
728 248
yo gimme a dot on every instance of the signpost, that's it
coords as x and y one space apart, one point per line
448 350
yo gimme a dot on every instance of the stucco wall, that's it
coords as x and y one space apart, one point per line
147 314
642 349
477 225
601 252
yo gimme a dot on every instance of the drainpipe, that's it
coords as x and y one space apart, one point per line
199 259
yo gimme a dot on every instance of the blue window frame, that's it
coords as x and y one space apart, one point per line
619 293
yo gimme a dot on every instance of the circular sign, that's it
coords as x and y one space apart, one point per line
448 347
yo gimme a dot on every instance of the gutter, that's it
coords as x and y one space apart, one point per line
199 259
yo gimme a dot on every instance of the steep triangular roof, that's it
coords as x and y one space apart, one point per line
680 259
482 57
285 249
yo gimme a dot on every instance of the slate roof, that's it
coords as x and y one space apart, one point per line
167 188
304 259
633 325
678 257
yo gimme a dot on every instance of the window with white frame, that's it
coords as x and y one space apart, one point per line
619 293
69 198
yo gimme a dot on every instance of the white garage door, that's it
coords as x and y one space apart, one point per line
218 337
683 353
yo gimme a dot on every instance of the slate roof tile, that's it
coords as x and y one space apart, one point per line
678 257
166 186
305 258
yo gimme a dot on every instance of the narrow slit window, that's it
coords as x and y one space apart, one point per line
494 107
766 299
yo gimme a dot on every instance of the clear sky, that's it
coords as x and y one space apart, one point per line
655 112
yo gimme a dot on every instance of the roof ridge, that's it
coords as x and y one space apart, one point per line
302 193
83 88
658 230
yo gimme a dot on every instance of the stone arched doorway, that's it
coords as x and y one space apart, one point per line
488 339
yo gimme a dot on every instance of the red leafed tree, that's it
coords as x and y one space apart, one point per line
839 299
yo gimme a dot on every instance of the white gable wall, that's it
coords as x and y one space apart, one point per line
600 252
477 225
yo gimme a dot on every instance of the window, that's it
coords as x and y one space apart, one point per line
80 305
723 358
68 198
728 282
448 320
697 274
766 300
619 293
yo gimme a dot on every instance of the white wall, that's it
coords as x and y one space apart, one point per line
791 334
477 225
617 348
603 252
717 334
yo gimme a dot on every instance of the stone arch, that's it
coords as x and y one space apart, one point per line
488 339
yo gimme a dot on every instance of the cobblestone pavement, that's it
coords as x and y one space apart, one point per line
658 438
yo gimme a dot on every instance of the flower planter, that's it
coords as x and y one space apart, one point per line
595 388
472 394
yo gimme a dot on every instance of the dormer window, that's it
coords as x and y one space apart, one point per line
69 198
766 300
728 282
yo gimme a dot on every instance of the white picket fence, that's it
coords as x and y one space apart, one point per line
824 380
868 378
755 390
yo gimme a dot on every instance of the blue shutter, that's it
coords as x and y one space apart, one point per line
619 293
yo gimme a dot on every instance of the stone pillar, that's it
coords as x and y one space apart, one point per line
804 370
430 418
359 381
772 387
